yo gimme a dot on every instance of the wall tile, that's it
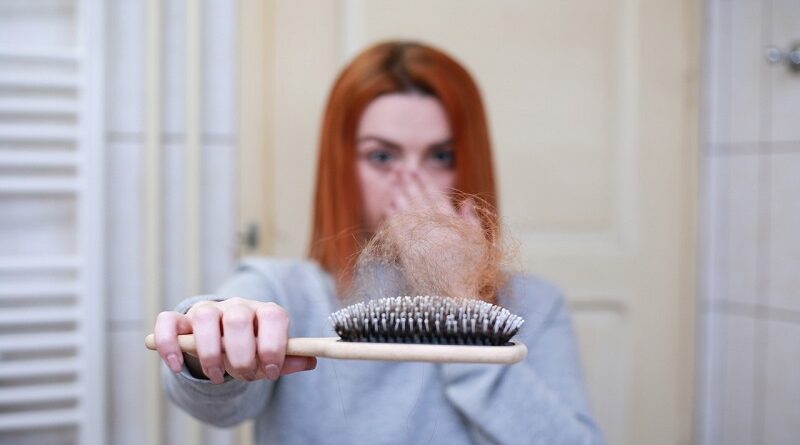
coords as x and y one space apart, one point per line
174 218
784 246
219 436
125 92
743 239
733 226
219 59
785 83
782 398
174 68
178 423
708 377
126 397
124 231
753 216
785 104
732 408
716 174
745 71
219 214
125 66
708 233
718 70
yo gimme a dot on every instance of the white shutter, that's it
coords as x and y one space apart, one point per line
51 237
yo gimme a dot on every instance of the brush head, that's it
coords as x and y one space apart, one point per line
426 319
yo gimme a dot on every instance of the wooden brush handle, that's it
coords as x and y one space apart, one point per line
332 347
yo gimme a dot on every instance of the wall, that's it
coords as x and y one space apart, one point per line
750 305
129 282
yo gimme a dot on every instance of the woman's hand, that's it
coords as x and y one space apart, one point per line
255 335
415 194
441 249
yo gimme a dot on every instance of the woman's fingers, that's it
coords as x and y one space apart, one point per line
239 339
468 212
168 326
206 329
391 210
400 203
273 331
427 196
293 363
252 334
405 197
416 192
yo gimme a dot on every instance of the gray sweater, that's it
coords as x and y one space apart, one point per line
538 401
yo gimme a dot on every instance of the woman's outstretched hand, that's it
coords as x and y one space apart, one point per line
254 340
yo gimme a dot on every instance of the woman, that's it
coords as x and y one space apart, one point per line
403 128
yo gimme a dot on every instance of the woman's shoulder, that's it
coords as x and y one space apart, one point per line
283 278
303 288
525 287
275 267
535 299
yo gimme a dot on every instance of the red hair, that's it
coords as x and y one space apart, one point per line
392 67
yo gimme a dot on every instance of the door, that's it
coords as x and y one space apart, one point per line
592 114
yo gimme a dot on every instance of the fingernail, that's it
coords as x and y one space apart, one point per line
272 372
312 363
249 376
174 362
215 374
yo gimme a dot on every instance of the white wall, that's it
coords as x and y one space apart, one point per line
33 225
750 307
128 320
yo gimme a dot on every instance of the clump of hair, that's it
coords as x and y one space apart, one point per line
435 253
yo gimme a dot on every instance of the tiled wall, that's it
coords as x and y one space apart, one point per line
750 295
127 325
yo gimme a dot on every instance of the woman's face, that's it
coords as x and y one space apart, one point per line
399 135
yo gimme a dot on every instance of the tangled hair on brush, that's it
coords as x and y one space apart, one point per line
436 253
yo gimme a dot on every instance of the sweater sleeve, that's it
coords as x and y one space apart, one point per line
540 400
232 401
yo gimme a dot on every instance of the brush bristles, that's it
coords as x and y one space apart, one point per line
426 319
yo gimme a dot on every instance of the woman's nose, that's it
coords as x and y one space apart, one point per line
409 166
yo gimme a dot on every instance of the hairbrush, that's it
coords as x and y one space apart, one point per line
421 328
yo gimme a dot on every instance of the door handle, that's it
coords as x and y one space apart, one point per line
250 239
791 57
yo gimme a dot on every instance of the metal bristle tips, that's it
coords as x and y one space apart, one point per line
426 319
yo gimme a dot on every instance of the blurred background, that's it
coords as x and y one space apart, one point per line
648 154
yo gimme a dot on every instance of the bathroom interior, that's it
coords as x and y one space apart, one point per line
648 156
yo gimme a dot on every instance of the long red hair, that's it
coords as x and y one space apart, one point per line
392 67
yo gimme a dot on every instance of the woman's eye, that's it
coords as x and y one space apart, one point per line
443 158
380 157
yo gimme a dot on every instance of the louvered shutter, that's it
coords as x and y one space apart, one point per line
51 238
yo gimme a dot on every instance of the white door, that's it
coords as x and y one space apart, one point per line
593 121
